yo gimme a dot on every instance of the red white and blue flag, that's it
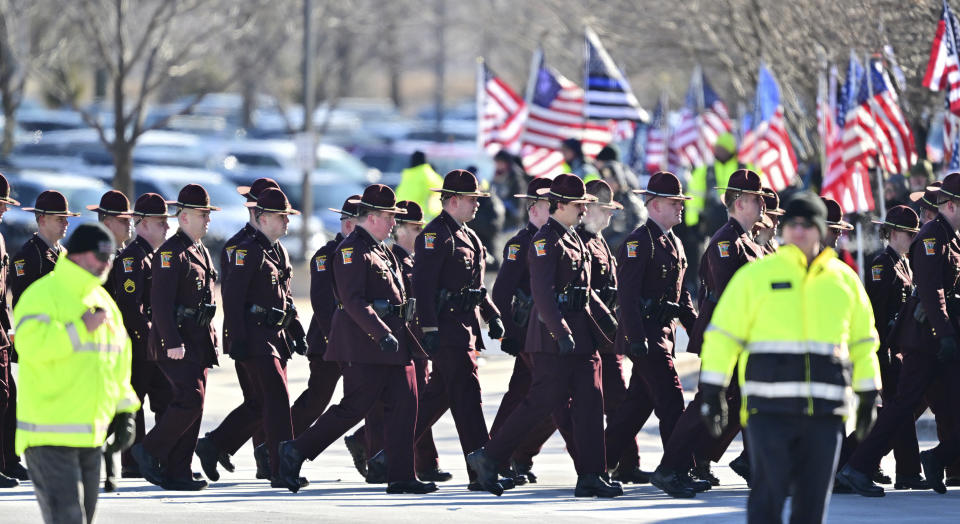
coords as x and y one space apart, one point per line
703 118
943 67
766 143
848 185
502 114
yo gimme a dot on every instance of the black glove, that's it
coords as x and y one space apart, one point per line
608 324
884 357
124 432
566 344
638 348
510 346
430 342
866 413
714 411
389 344
495 327
668 312
239 350
948 349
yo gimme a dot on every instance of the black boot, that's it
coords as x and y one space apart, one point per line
436 475
911 482
209 455
859 482
698 486
184 485
290 463
933 470
486 470
261 456
880 477
8 482
411 486
671 483
741 466
952 480
377 468
525 470
591 485
16 471
516 478
277 483
702 471
149 465
631 476
358 453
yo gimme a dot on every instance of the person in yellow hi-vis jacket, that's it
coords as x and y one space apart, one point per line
75 364
794 321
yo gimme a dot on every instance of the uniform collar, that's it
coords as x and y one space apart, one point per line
585 233
398 247
364 234
450 220
73 277
262 239
554 223
144 245
892 253
532 228
654 227
733 222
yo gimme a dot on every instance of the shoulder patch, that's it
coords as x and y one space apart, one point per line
18 266
165 257
240 256
129 286
930 246
876 272
632 248
512 251
429 240
347 253
320 262
541 247
724 247
127 265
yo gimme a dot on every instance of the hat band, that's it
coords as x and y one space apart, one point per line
901 226
195 206
365 204
931 204
951 195
558 195
471 192
271 210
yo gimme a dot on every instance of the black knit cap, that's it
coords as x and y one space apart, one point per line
92 236
809 206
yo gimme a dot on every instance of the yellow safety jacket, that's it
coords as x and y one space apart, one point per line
415 185
795 332
72 382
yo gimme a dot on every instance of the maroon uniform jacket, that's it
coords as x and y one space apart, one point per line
5 318
322 298
935 262
651 265
183 275
132 276
730 249
603 272
558 260
365 271
889 284
450 257
34 260
256 278
514 275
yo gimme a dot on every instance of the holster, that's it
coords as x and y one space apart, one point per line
461 301
522 304
276 318
573 298
608 294
201 315
405 311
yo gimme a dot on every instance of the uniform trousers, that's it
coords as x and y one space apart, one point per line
363 385
454 385
791 455
173 440
690 442
148 381
66 481
920 370
266 403
8 411
371 433
654 388
561 383
314 400
614 392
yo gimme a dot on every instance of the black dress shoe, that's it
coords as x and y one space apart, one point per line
436 475
261 456
290 463
279 484
16 471
911 482
8 482
591 485
859 482
130 472
377 468
109 485
933 470
525 470
197 475
671 483
516 478
702 471
184 485
631 476
411 486
741 466
358 453
486 470
475 486
697 485
880 477
209 455
149 466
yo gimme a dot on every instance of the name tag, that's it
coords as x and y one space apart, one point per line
781 285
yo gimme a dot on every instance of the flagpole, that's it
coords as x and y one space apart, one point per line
665 130
481 91
756 118
881 176
535 61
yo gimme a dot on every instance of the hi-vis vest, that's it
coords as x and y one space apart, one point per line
72 382
795 332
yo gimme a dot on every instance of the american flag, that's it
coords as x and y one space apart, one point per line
848 185
703 118
943 68
656 149
766 143
502 112
877 127
608 93
556 114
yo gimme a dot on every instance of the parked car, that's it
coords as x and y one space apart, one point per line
246 160
444 157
